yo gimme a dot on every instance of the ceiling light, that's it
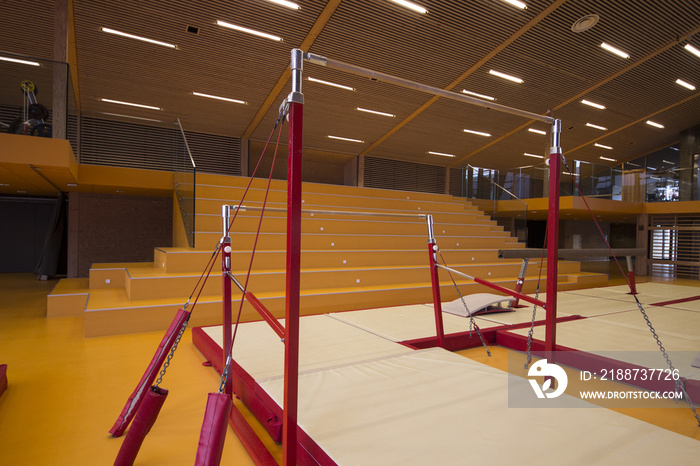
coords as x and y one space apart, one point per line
248 31
411 6
4 184
653 123
685 84
533 155
674 148
130 104
440 153
291 5
651 168
481 96
602 146
345 139
220 98
143 39
571 174
607 158
538 131
314 80
516 3
477 132
375 112
130 116
72 185
633 164
593 104
506 76
585 23
602 128
614 50
668 162
23 62
692 49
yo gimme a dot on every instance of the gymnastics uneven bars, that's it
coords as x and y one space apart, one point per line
295 99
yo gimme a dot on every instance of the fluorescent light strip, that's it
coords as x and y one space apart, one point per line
632 163
411 6
291 5
345 139
692 49
477 132
129 116
375 112
516 3
440 153
593 104
143 39
248 31
130 104
538 131
602 128
674 148
314 80
571 174
614 50
22 62
220 98
608 159
506 76
669 162
602 146
481 96
533 155
653 123
685 84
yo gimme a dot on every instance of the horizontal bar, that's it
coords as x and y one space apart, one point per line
570 253
375 75
500 288
333 212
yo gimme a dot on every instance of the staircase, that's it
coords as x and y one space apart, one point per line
348 261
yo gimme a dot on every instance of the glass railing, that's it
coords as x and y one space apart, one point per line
184 180
36 97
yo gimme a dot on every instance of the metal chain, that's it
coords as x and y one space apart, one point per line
532 328
224 374
472 325
172 353
679 385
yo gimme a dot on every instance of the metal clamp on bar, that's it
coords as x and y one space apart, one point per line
296 65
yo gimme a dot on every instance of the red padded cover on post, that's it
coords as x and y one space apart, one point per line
3 378
213 434
143 421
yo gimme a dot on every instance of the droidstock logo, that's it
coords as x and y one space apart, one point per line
542 369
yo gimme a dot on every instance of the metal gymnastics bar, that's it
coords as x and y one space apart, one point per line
333 212
295 99
570 253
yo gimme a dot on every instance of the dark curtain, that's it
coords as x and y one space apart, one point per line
51 253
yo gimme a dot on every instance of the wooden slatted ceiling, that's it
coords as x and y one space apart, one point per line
434 49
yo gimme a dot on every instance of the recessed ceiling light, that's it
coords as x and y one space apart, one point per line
506 76
602 146
130 104
328 83
130 116
4 184
607 158
614 50
534 155
22 192
411 6
593 104
291 5
591 125
685 84
441 153
143 39
22 62
248 30
653 123
675 148
669 162
585 23
345 139
375 112
692 49
633 164
220 98
72 185
538 131
571 174
516 3
481 96
480 133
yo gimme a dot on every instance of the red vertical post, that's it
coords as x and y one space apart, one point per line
226 298
437 301
550 340
291 339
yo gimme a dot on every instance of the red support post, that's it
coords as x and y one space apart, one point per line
437 301
226 298
552 251
291 341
